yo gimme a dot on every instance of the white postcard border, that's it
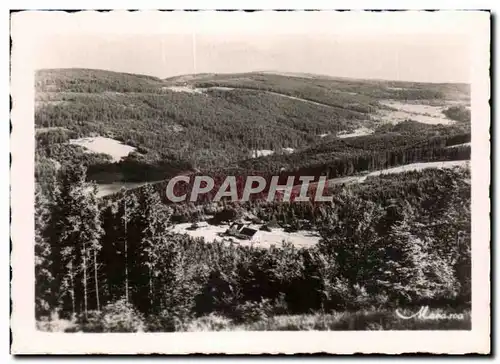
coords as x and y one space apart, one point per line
26 339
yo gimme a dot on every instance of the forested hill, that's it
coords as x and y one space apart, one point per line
194 122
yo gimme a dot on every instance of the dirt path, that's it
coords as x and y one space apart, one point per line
274 93
401 169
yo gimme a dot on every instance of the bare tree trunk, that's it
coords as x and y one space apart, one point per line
84 279
126 255
150 287
72 287
96 282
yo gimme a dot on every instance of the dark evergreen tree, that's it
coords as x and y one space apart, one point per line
43 262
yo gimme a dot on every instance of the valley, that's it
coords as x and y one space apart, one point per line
396 233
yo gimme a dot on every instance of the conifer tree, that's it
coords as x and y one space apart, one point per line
149 222
76 230
128 206
43 268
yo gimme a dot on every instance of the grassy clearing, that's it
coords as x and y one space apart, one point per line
360 320
335 321
264 239
114 148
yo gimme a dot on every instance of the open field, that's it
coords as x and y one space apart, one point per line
264 239
114 148
423 113
355 133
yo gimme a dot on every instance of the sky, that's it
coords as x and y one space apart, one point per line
413 49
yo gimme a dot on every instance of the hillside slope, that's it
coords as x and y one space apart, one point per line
204 121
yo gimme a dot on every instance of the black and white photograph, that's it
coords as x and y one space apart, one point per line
250 173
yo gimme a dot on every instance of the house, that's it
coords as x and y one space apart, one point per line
246 231
242 231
